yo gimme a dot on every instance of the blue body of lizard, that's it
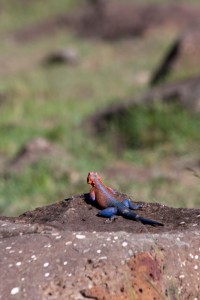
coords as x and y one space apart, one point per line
107 198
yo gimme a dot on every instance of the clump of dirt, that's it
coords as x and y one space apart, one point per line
68 56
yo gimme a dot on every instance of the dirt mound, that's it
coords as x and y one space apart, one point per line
75 214
47 27
171 169
32 152
112 20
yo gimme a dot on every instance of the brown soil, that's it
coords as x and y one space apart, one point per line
77 213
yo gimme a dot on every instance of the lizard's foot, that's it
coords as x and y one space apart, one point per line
111 220
135 206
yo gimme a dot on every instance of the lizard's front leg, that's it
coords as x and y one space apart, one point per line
92 194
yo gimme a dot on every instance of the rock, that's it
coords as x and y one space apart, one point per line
64 251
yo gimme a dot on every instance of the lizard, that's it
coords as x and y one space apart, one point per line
108 200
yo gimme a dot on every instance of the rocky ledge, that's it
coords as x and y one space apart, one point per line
64 251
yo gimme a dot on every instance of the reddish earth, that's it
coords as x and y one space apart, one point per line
76 214
64 251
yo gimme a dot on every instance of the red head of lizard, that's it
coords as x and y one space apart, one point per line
92 177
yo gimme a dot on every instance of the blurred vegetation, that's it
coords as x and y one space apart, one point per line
148 126
52 102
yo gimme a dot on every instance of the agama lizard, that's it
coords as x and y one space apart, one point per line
108 199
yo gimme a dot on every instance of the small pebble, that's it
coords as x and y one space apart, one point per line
14 291
124 244
103 257
46 264
80 236
68 243
181 223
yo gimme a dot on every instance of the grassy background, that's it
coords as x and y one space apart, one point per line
53 102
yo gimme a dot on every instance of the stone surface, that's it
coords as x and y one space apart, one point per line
64 251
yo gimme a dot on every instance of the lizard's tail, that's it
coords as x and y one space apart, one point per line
150 222
133 216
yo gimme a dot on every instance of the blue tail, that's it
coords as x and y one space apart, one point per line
133 216
150 222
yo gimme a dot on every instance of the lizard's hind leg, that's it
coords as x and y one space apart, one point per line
108 212
130 204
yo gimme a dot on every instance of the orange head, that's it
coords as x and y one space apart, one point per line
92 176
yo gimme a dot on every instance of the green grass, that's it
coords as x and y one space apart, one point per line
148 126
16 14
53 102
